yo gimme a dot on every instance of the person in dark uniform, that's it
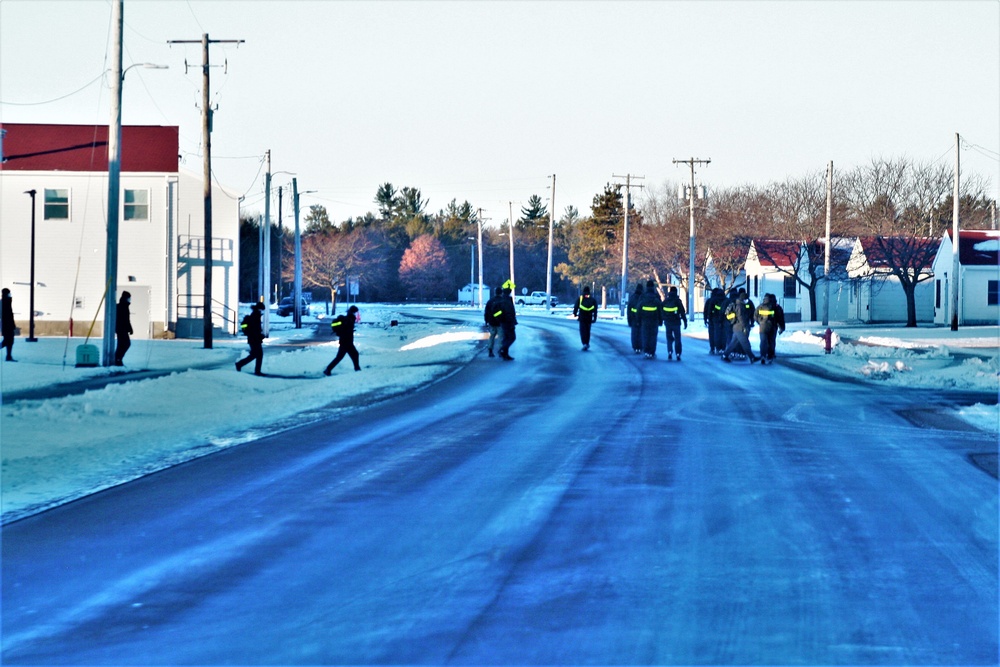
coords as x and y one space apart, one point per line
343 326
741 329
673 315
771 321
727 319
508 320
649 318
491 313
632 317
123 328
7 324
585 310
713 320
253 329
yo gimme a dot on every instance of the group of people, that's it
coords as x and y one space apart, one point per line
123 326
645 312
252 327
501 320
729 317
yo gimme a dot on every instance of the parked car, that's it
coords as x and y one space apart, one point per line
537 299
285 307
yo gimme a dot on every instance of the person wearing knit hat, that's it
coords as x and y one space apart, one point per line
585 310
649 318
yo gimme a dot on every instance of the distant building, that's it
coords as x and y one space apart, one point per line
771 268
161 231
841 285
979 277
878 293
470 294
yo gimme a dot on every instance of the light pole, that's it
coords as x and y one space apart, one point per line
31 291
114 193
548 265
297 293
472 267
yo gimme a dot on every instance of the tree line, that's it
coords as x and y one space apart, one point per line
400 251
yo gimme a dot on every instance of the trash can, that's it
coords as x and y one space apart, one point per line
87 356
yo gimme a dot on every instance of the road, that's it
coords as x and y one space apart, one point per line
565 508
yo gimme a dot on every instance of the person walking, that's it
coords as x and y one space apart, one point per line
771 321
491 314
632 317
123 328
7 324
252 327
649 319
727 319
343 327
585 310
741 329
508 320
713 317
673 315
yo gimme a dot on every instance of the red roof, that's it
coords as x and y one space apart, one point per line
777 253
978 247
36 147
902 249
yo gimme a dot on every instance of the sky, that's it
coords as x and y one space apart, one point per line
201 404
484 101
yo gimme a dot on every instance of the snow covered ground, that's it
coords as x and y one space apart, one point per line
58 448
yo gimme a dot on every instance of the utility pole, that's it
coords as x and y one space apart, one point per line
480 220
265 290
826 252
114 196
206 141
628 201
510 237
691 162
548 265
955 265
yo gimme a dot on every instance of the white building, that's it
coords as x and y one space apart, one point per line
772 267
979 277
878 293
161 232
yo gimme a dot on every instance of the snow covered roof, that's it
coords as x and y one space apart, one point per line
978 247
879 251
776 253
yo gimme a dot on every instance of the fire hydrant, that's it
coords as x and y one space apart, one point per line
828 340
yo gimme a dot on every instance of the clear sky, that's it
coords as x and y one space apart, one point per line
483 101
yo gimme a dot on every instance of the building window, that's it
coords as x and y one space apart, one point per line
56 204
991 293
789 287
137 204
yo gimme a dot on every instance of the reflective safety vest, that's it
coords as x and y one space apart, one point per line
583 307
671 310
765 313
497 314
650 309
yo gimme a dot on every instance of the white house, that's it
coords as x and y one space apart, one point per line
771 268
878 295
840 285
161 231
979 277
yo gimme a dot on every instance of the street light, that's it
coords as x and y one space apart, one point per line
114 193
31 299
297 294
548 266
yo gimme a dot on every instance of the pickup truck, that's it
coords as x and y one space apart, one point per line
536 299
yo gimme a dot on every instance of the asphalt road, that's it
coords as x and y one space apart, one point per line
565 508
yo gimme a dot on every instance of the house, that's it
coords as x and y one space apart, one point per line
772 267
161 244
470 294
979 277
841 287
875 265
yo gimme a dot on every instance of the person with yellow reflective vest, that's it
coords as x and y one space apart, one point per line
343 327
632 317
771 318
736 313
648 308
491 314
585 310
713 317
673 316
252 328
508 320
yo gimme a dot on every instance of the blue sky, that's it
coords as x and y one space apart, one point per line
483 101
